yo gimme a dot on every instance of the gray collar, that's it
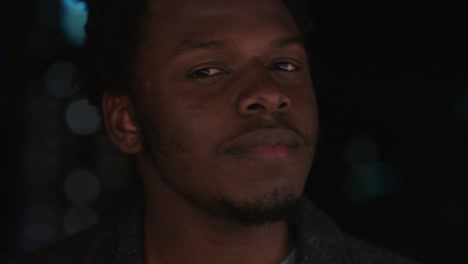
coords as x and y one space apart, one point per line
291 259
318 237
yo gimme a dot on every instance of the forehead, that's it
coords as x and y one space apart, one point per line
180 20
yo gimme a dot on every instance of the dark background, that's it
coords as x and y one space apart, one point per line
392 85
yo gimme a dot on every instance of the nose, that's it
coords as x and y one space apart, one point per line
262 95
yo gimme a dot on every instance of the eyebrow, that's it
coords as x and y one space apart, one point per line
190 45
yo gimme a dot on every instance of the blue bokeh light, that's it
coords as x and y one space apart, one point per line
372 180
380 179
73 19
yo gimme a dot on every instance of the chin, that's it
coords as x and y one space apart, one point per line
276 206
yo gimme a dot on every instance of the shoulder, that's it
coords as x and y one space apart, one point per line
362 252
320 240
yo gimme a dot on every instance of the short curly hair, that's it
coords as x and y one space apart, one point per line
114 31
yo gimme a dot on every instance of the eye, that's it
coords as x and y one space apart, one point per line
206 73
285 66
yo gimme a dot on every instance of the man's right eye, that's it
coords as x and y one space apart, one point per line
206 73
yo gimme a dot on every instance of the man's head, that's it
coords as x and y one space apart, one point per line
216 101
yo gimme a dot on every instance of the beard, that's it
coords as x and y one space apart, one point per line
259 210
267 209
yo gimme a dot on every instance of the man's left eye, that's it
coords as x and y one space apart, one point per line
206 73
286 66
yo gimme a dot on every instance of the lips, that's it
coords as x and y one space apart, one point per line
269 143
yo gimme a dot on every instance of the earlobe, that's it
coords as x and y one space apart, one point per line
123 131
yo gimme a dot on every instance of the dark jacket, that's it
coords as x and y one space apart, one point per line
119 241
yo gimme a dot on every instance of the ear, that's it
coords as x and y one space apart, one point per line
118 114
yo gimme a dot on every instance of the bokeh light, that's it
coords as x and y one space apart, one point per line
372 180
380 179
81 187
78 218
73 19
58 79
39 227
82 118
368 177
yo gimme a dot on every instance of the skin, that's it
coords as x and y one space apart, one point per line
225 106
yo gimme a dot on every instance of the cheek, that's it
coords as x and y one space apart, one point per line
192 126
305 106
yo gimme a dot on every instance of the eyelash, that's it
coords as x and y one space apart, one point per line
205 72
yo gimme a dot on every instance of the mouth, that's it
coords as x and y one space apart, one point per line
266 144
270 152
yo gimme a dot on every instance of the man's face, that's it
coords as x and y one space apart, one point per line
225 102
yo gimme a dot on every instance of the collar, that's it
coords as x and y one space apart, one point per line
318 238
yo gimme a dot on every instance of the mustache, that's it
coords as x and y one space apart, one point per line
265 133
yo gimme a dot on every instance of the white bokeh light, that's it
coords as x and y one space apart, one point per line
82 118
81 187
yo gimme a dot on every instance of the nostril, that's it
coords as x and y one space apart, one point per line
283 105
254 106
